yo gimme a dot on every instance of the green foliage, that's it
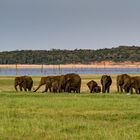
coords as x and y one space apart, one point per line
85 56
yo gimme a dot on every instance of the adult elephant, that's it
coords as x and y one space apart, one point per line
47 81
121 81
106 82
135 83
70 82
91 85
24 82
132 83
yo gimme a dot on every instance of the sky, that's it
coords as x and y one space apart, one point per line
68 24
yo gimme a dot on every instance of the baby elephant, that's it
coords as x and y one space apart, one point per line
97 89
55 86
93 86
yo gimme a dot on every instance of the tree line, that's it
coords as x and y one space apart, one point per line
83 56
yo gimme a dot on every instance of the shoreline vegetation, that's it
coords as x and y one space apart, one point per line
75 57
102 64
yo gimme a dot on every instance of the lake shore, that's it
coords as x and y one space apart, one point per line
104 64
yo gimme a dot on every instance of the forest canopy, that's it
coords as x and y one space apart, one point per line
83 56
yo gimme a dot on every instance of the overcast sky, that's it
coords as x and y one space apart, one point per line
68 24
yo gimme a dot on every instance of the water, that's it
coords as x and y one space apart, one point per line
56 71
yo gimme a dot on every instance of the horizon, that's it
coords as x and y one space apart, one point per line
69 49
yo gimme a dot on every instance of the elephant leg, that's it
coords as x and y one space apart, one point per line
20 87
50 89
118 88
46 89
29 89
77 90
59 88
24 86
126 89
139 90
91 89
131 90
103 89
136 91
121 89
25 89
16 87
108 89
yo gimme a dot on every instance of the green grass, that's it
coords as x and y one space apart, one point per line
69 116
85 116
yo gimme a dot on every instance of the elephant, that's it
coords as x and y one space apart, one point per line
62 83
135 83
91 85
121 81
97 89
25 82
69 82
132 83
55 86
69 87
48 80
51 82
106 82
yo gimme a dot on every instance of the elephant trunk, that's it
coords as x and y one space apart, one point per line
37 88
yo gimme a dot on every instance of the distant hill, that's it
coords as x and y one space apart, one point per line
83 56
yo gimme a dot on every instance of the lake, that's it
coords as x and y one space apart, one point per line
55 71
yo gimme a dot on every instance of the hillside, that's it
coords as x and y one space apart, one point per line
83 56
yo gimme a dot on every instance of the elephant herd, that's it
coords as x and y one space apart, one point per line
61 83
72 83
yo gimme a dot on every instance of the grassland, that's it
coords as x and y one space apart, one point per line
85 116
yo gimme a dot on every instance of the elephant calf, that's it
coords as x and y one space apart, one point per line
97 89
93 86
55 86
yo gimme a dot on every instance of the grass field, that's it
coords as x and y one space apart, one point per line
85 116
